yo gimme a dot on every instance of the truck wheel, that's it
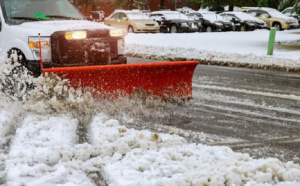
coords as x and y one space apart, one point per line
17 81
277 26
173 29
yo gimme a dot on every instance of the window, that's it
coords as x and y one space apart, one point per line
17 12
254 13
116 16
122 16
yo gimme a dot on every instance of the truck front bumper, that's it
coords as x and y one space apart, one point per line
34 66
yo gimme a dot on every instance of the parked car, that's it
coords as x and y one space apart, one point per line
272 17
133 21
291 13
146 12
185 10
174 22
243 21
211 22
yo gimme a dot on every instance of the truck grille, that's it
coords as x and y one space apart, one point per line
96 49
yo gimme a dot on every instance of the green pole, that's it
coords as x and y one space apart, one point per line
271 41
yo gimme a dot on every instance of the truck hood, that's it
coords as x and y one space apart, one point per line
46 28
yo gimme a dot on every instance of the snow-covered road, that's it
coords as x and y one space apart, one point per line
44 150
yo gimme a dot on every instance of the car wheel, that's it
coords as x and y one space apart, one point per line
208 29
243 28
277 26
130 29
173 29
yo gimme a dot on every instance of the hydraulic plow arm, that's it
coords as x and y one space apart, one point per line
166 80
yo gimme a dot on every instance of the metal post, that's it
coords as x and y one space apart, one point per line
40 49
271 41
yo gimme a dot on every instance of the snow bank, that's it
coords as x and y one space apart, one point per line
45 151
39 148
145 158
245 49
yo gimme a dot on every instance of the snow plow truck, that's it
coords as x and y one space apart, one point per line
52 36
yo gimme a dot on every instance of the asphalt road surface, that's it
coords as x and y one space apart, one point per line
252 111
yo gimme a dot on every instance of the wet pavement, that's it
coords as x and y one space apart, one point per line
252 111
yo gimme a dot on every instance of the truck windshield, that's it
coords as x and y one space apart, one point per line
19 11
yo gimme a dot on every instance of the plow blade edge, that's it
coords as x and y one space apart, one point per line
166 80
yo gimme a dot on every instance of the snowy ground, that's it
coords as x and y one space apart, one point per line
45 151
230 48
63 139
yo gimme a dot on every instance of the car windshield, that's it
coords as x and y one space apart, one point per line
19 11
175 15
137 16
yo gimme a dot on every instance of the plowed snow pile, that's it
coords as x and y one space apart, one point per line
41 136
244 49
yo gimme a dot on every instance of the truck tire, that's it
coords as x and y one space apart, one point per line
13 83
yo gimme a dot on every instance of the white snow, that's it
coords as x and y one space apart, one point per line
245 17
45 148
238 48
45 151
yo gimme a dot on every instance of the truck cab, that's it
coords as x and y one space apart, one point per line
55 32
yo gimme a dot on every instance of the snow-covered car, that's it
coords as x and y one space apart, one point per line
272 17
133 21
146 12
185 10
60 32
211 22
243 21
174 22
291 13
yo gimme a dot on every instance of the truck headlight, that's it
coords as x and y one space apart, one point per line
75 35
34 44
118 32
121 47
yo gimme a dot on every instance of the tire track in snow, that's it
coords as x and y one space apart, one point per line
261 108
249 113
250 92
9 121
85 120
38 154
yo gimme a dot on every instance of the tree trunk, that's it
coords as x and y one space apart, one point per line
162 4
130 2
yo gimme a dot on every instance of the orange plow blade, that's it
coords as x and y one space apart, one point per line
166 80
